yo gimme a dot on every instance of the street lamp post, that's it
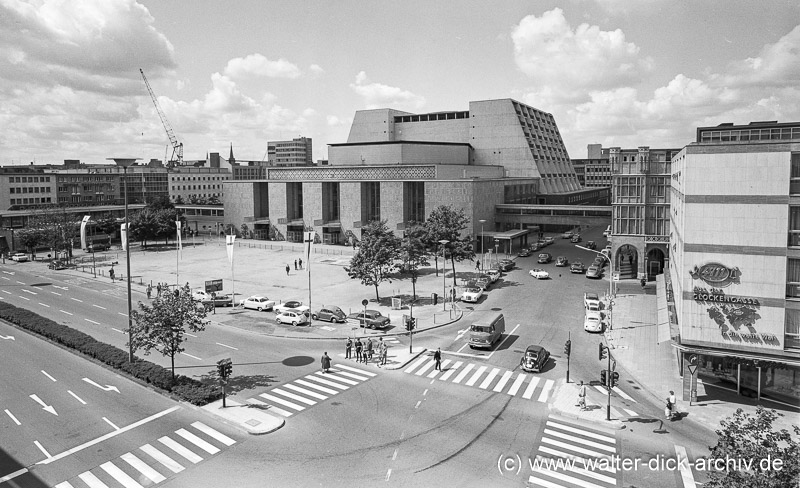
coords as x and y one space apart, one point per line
125 162
610 264
482 221
444 242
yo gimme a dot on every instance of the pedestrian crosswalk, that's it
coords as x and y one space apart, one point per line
302 393
483 377
617 390
573 455
154 462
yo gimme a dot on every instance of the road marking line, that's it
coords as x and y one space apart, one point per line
293 396
517 383
143 468
162 458
44 304
326 382
120 331
474 378
631 412
109 435
272 408
450 371
63 484
55 293
209 448
349 375
580 471
489 378
503 380
560 476
77 300
29 291
531 386
545 390
388 474
583 442
188 334
12 418
355 370
124 314
44 451
425 367
463 373
21 283
623 394
433 373
585 433
192 457
213 433
575 448
111 423
394 456
609 467
98 306
225 345
415 365
65 312
418 404
193 357
686 471
76 397
92 321
283 402
26 298
316 387
310 393
425 393
120 475
601 389
92 480
7 292
45 373
337 378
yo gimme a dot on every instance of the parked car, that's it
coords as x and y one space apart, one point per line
372 319
576 238
524 253
592 322
591 245
200 295
550 240
483 282
591 301
599 261
291 316
330 314
594 272
472 294
219 300
257 302
534 358
57 264
542 243
292 305
506 264
539 274
493 274
567 235
577 267
562 261
544 258
535 247
97 247
19 257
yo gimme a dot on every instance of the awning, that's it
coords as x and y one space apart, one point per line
664 333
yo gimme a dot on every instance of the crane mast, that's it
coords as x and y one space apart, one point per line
177 147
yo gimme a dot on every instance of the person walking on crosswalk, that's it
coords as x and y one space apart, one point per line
437 357
326 363
347 348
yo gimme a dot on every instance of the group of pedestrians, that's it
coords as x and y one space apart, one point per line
160 288
298 264
365 350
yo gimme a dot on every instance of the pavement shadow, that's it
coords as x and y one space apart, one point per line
507 344
503 283
240 383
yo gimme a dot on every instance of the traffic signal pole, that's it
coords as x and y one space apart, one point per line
568 351
608 387
411 331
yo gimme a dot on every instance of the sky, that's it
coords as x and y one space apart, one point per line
242 73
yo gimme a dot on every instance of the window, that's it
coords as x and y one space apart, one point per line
794 182
792 278
791 329
794 226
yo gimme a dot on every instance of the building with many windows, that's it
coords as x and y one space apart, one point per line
197 185
595 170
734 269
297 152
25 187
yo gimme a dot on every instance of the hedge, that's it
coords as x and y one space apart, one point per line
185 388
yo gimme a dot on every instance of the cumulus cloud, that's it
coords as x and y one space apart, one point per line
377 95
258 65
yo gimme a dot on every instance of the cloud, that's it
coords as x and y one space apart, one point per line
258 65
316 69
570 61
775 65
377 95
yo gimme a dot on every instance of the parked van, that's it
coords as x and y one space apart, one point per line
484 332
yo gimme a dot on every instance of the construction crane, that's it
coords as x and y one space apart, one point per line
177 147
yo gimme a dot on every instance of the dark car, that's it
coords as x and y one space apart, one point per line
506 264
219 300
577 267
372 319
594 272
57 264
97 246
545 257
562 261
534 359
576 238
524 253
599 261
591 245
330 314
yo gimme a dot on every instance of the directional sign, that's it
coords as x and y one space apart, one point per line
104 388
45 406
7 337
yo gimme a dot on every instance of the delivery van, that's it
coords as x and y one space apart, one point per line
485 331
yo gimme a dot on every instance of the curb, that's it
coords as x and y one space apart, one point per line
410 358
215 408
613 424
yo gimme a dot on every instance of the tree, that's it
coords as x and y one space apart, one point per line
375 260
751 441
414 254
444 223
163 325
245 231
52 227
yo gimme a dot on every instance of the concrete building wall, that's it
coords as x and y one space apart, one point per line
382 154
497 138
350 206
239 202
278 207
373 125
453 130
392 204
312 206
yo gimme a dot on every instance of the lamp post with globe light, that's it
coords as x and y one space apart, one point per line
124 163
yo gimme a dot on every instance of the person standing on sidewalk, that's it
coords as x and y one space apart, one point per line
287 270
370 347
348 347
437 358
359 349
671 407
149 290
384 352
300 263
111 274
582 396
326 363
295 265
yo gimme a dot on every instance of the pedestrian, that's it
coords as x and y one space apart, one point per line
158 290
149 290
300 263
354 242
582 396
111 274
384 352
326 363
370 346
295 265
437 357
348 348
287 270
477 265
359 349
670 410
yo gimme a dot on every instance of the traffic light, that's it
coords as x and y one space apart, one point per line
224 368
614 379
568 347
603 380
411 323
603 350
435 298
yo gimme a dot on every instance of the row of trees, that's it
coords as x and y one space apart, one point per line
382 255
197 200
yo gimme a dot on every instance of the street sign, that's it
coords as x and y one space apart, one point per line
364 302
213 285
616 276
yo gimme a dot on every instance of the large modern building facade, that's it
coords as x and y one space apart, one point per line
734 268
297 152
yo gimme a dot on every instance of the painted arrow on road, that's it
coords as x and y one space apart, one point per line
45 406
106 388
461 333
7 337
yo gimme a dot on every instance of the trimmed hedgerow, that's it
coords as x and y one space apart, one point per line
185 388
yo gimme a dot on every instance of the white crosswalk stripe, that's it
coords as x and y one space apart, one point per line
624 395
272 408
484 378
571 454
150 466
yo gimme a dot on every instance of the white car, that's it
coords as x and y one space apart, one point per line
550 240
493 274
294 317
567 235
19 257
591 301
295 305
593 322
200 295
257 302
472 295
539 274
